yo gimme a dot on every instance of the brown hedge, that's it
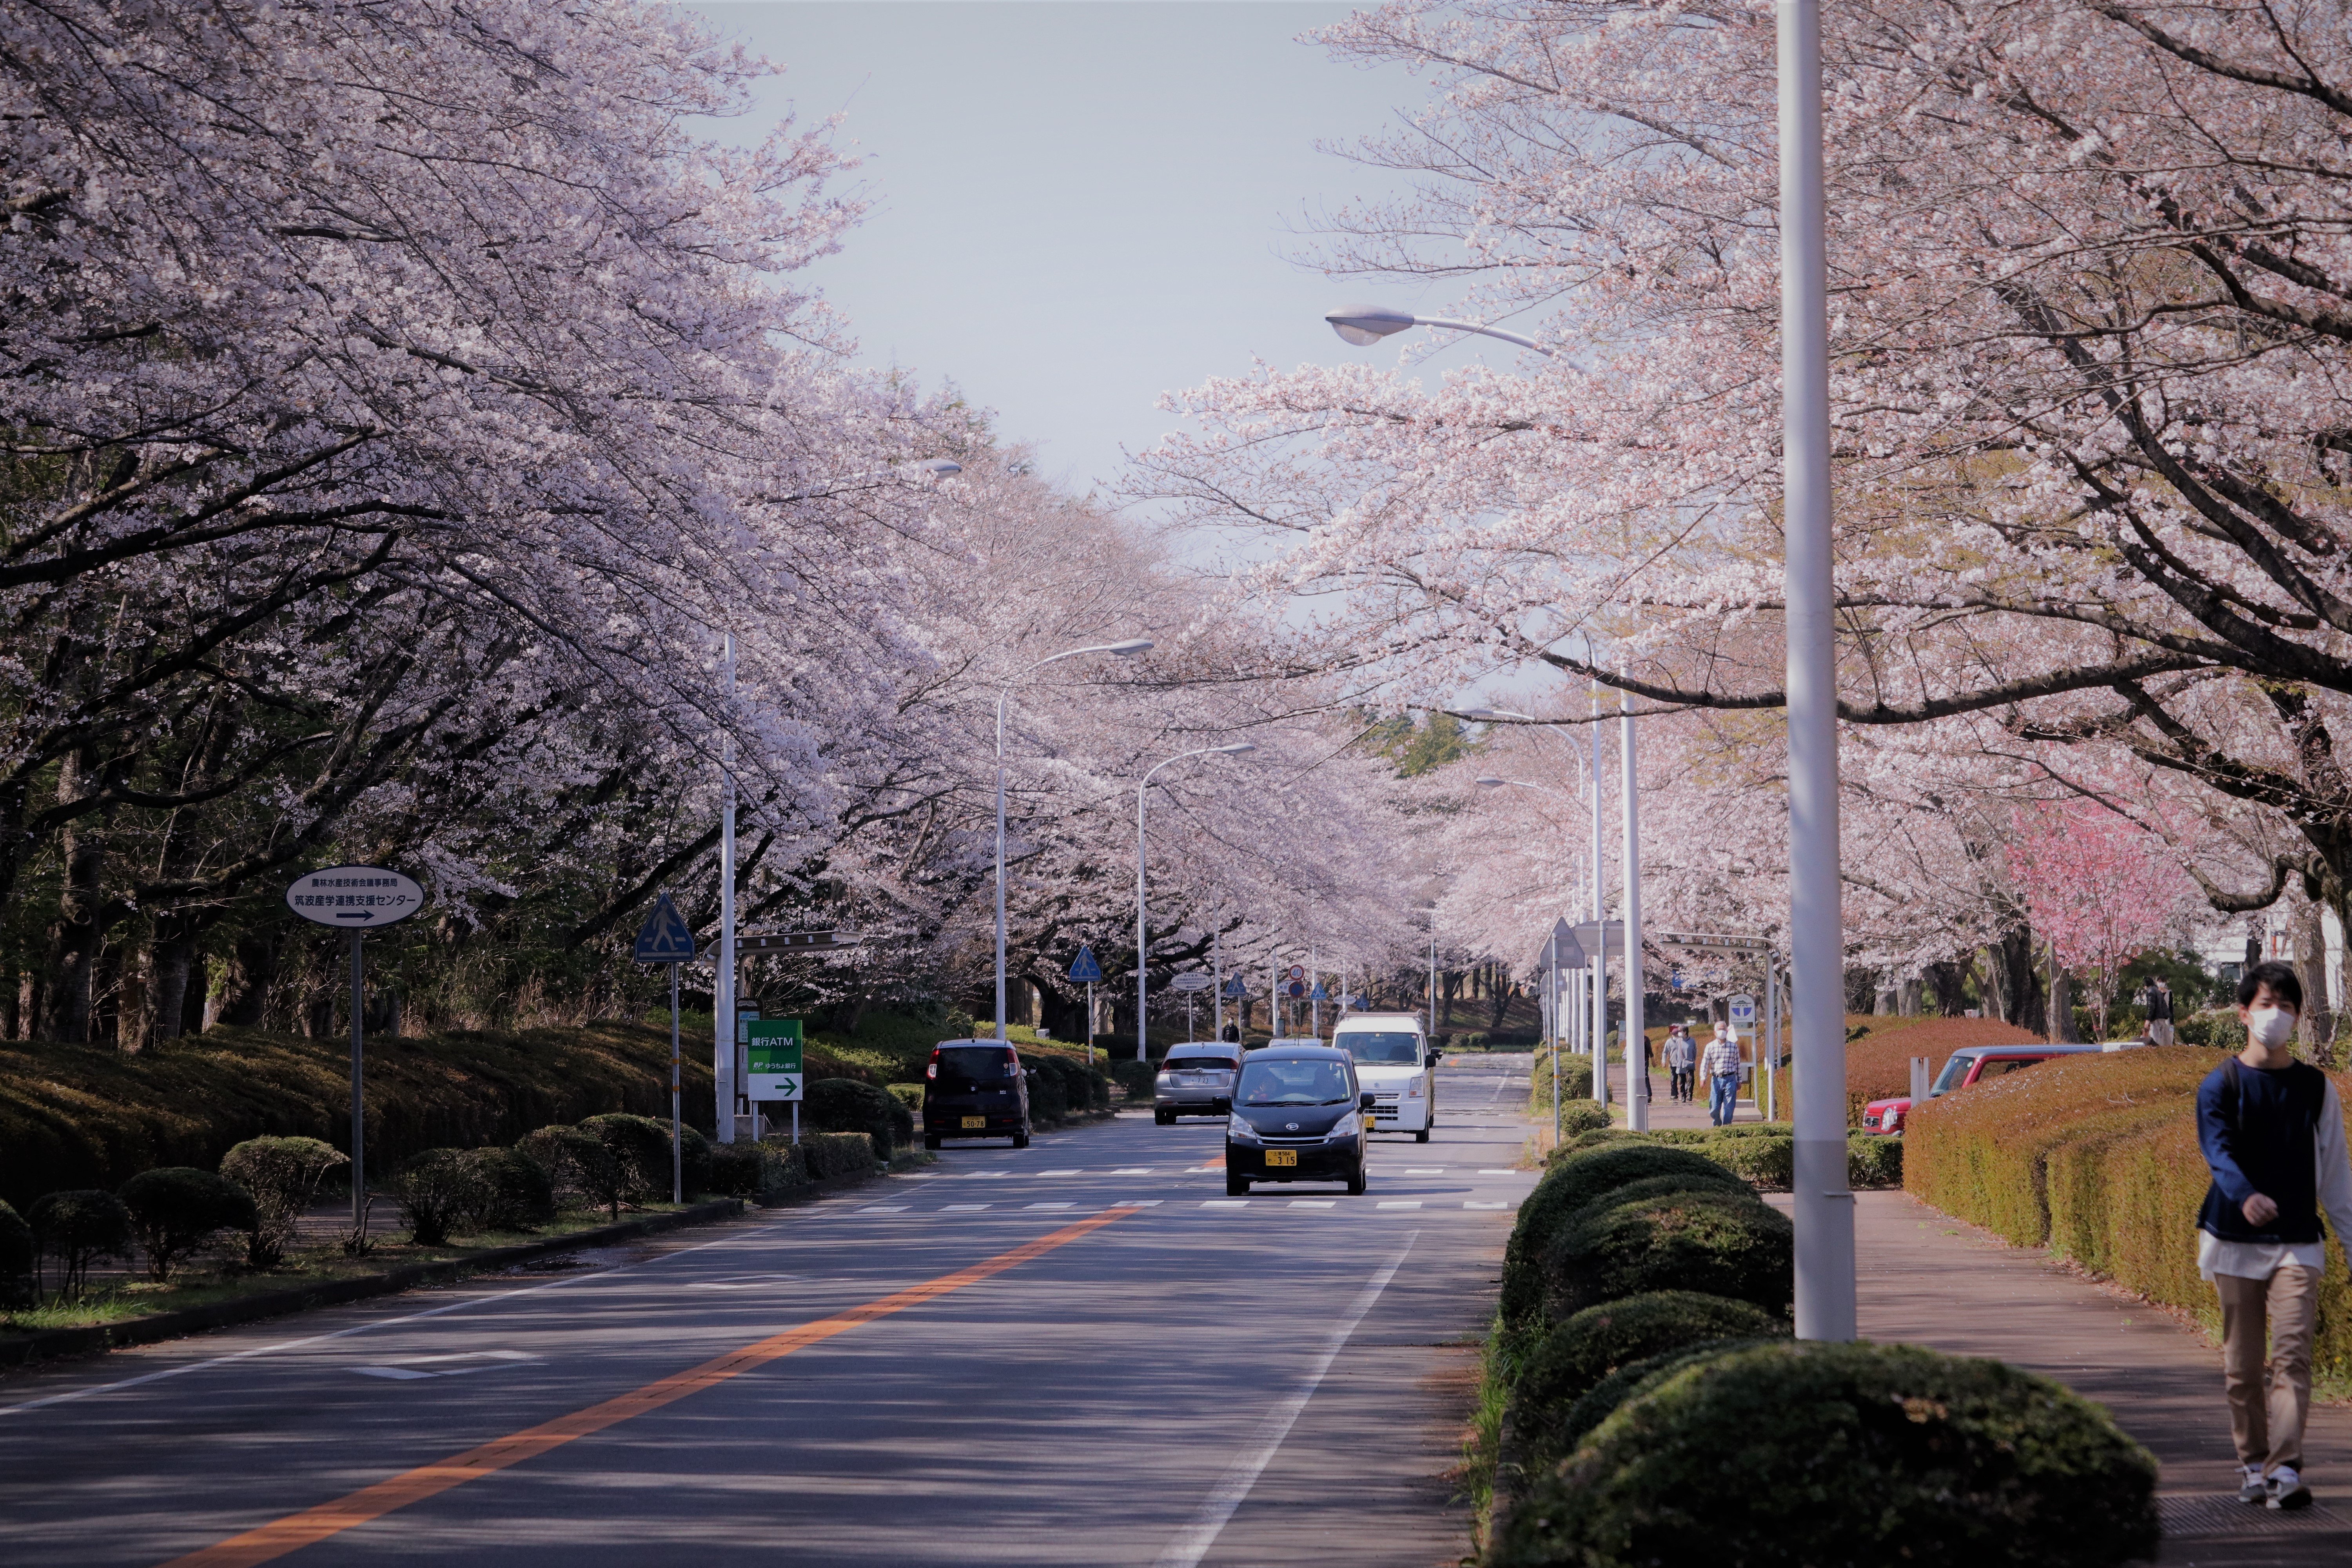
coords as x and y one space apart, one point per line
2097 1158
84 1115
1878 1059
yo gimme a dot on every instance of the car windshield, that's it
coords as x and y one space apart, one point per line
1382 1047
1199 1064
1954 1070
967 1067
1309 1083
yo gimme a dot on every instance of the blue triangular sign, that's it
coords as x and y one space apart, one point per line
1361 1003
665 937
1318 993
1236 989
1084 969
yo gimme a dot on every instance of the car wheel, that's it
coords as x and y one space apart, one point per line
1422 1136
1360 1181
1165 1117
1021 1139
1236 1186
930 1142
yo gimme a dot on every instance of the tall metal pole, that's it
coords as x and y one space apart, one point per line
1001 700
1217 968
676 1122
359 1101
1557 1043
1432 972
722 1063
1599 978
1637 1039
1824 1204
1143 968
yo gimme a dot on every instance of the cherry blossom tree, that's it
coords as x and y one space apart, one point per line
2101 890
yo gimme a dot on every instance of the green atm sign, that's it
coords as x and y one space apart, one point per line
774 1069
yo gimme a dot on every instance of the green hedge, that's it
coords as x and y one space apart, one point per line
177 1210
1845 1454
1702 1238
1575 1083
832 1155
845 1105
1631 1381
1576 1354
1574 1180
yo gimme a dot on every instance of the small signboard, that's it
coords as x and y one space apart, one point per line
665 937
774 1048
354 897
796 941
1570 953
1191 979
1084 969
1743 1011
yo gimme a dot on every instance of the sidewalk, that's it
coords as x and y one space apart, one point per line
1928 1280
1664 1113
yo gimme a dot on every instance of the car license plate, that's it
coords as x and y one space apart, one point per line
1282 1156
975 1121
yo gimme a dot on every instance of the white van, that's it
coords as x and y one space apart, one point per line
1394 1061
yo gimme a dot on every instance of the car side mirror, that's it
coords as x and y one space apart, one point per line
1221 1104
1435 1057
1366 1100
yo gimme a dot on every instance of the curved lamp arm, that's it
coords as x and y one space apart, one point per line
1364 325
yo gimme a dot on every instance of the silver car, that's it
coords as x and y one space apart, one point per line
1195 1081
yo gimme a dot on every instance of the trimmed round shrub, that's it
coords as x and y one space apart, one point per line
736 1169
1571 1184
579 1166
177 1210
16 1256
511 1190
1845 1454
77 1228
1048 1102
910 1095
1872 1161
1137 1078
845 1105
284 1176
1581 1116
435 1189
1635 1378
1572 1358
640 1146
1692 1238
834 1156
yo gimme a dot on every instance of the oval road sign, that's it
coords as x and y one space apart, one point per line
1191 979
354 897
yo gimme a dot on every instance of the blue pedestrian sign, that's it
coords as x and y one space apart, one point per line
1084 969
1361 1003
665 937
1318 993
1235 990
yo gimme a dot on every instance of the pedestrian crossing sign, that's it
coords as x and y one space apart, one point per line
1084 970
665 937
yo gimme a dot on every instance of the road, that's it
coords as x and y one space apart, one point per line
1079 1352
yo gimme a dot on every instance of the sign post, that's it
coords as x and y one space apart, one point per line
666 938
1086 969
355 899
772 1053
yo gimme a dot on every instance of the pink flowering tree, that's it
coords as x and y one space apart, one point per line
2100 887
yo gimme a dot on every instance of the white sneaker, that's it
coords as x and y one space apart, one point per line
2252 1486
2288 1490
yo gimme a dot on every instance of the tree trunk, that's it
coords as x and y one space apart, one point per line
1911 996
2017 979
169 958
2316 1028
74 940
2062 1008
244 997
1948 984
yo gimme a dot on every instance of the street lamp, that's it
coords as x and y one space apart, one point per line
1143 970
1128 648
1364 325
1824 1201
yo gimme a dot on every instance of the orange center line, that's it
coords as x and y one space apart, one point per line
313 1525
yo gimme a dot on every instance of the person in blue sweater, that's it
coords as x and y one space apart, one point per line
2273 1132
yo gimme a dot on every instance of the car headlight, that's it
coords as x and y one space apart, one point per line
1348 1126
1412 1090
1240 1131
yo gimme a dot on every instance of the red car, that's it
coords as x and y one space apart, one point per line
1966 1067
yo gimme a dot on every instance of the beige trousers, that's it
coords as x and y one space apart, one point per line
2275 1316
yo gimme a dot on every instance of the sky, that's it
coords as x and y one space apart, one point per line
1079 204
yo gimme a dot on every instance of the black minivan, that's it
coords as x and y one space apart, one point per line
975 1089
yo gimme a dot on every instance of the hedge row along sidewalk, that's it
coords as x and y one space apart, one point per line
2097 1158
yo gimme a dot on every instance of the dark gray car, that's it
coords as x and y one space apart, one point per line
1193 1079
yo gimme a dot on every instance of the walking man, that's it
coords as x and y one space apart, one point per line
1682 1061
1719 1065
2157 1002
2273 1132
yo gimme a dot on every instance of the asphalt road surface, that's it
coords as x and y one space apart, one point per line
1080 1353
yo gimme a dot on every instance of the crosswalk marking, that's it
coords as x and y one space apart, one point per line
1067 1205
963 1209
1226 1203
1401 1204
1314 1202
1485 1205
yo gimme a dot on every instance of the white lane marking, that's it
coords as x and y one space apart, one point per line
1194 1541
1405 1204
71 1394
1485 1205
1226 1203
1061 1172
744 1282
1134 1171
884 1208
1196 1170
1498 1172
1050 1206
1314 1202
963 1209
986 1175
1136 1204
406 1368
1425 1170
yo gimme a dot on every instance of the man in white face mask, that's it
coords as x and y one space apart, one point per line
2273 1134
